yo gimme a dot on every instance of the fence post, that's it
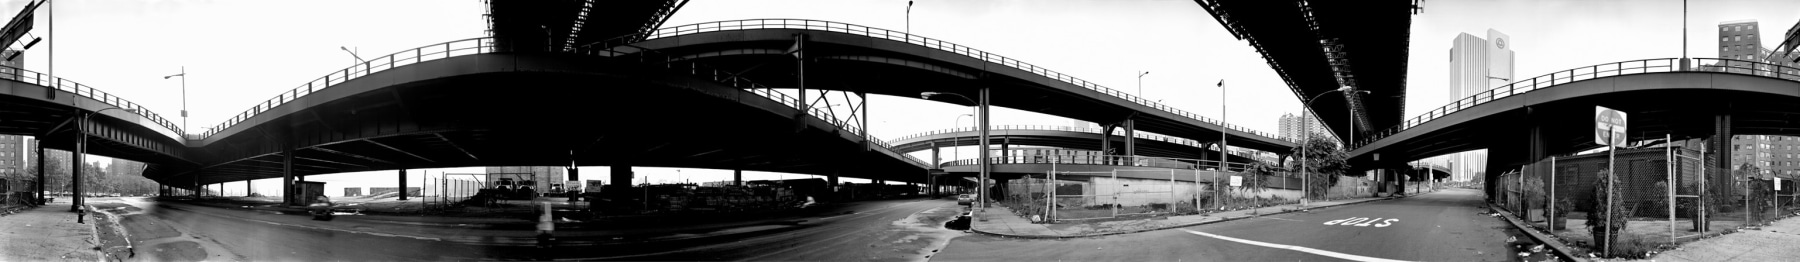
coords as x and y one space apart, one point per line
1669 162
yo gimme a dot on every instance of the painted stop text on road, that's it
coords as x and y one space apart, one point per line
1363 222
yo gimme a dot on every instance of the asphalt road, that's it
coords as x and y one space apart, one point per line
888 230
180 232
1443 226
885 230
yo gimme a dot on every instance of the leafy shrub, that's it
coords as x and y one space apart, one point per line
1597 220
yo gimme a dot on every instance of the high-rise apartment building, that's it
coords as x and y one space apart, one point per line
1476 65
1739 40
12 154
1772 154
1291 125
1742 40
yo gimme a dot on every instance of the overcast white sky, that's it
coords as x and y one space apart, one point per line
239 53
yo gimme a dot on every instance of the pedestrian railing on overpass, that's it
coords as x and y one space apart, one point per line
1139 134
829 26
1536 83
41 79
1106 160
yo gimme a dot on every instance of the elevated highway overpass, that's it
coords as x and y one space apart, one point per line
1553 114
865 60
470 103
1066 137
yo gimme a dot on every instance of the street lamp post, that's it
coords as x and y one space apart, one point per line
80 150
909 17
353 54
1141 82
1223 153
184 114
981 119
1306 139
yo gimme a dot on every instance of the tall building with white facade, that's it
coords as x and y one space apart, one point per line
1476 65
1291 125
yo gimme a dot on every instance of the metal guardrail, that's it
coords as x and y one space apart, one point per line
479 45
41 79
1110 160
611 45
1536 83
1140 135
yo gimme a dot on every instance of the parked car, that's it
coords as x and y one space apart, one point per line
965 199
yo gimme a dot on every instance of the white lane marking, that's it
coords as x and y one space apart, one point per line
1297 248
1363 222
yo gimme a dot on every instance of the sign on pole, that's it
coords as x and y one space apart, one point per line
594 186
1237 181
1777 184
1609 126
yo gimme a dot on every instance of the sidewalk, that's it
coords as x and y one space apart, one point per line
1001 221
47 233
1770 243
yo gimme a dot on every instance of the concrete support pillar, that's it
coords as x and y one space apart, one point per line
1130 137
1106 138
833 180
832 192
247 189
402 185
1719 149
1203 148
936 161
931 181
75 166
621 178
737 177
1006 149
986 163
287 175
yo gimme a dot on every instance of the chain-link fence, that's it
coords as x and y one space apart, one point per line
17 192
1562 194
1074 196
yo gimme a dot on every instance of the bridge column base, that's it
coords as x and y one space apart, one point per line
621 178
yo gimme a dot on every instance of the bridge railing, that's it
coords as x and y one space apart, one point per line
829 26
479 45
1140 135
1747 67
41 79
1545 81
1109 160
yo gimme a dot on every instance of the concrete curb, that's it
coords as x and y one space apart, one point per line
1562 250
1223 219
